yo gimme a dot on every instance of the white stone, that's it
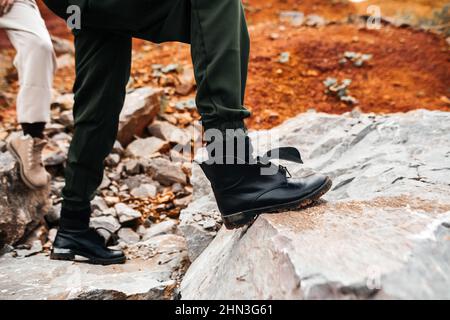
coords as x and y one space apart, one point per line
144 191
165 171
165 227
166 131
126 214
128 235
110 223
140 108
98 203
144 148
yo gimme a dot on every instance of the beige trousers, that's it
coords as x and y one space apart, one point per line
35 60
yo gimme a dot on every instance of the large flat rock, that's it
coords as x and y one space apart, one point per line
357 249
152 272
382 232
39 278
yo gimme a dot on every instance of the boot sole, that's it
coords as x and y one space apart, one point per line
244 218
70 255
21 169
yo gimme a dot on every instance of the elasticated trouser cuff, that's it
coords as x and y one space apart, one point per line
225 125
75 219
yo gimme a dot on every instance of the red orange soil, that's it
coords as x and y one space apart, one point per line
409 69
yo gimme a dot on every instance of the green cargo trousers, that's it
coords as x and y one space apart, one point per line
217 32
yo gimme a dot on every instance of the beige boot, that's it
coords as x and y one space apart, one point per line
28 152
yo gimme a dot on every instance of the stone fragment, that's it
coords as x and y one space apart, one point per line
105 182
112 160
128 235
133 167
144 191
140 108
165 227
35 248
98 203
168 132
144 148
109 223
165 171
126 214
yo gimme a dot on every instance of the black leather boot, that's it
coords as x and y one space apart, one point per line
86 243
243 191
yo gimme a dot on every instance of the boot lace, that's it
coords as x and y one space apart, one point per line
286 171
283 153
260 161
35 153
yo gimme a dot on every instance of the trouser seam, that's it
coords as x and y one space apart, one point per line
203 45
100 120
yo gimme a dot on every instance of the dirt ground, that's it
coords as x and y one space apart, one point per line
409 68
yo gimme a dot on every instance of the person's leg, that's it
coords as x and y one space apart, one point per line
103 62
220 51
36 64
220 47
244 187
35 61
217 32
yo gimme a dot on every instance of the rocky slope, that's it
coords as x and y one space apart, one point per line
147 182
382 232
